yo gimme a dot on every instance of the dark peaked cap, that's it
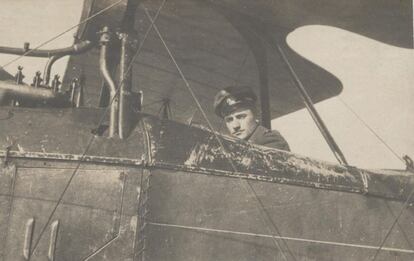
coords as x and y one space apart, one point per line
233 98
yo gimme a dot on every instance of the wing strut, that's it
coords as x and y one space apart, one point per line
313 112
268 221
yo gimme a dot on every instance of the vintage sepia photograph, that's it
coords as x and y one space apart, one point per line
206 130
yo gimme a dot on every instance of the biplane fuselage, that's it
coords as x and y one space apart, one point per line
167 192
102 179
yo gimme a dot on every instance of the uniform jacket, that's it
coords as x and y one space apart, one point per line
268 138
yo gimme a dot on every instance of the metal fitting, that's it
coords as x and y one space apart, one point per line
105 35
26 46
56 83
19 75
409 164
37 80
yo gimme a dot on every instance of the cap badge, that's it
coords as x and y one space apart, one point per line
230 101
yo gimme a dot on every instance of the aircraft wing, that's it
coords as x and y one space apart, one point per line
219 43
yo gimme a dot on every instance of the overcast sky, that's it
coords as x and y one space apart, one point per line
378 85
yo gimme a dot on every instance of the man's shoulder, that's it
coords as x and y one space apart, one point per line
265 134
268 132
269 138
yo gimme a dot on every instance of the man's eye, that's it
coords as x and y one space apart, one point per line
241 116
228 119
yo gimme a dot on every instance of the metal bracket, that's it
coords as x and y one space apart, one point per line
53 240
7 155
140 241
28 235
409 164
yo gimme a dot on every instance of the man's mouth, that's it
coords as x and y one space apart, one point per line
238 133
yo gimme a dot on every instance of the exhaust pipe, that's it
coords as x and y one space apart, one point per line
32 96
114 97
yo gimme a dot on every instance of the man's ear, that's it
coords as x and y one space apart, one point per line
255 114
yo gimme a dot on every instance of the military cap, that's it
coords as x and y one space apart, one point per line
232 98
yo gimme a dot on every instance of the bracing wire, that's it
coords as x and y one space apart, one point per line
201 110
304 240
348 107
370 129
262 209
93 136
75 171
62 33
405 204
240 73
403 208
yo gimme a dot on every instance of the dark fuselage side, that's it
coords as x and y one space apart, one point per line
168 192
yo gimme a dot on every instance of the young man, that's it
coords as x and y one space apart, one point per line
237 106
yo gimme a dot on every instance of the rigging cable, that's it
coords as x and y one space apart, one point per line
262 209
405 204
210 126
104 113
240 72
62 33
386 145
81 160
305 240
370 129
313 112
342 101
404 207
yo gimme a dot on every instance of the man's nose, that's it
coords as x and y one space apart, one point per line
236 125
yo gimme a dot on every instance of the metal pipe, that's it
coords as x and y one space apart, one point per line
21 92
48 67
26 51
314 113
103 65
79 95
125 79
73 87
79 49
28 235
53 240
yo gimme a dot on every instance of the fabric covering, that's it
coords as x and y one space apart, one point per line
269 138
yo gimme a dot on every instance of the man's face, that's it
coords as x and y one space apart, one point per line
241 123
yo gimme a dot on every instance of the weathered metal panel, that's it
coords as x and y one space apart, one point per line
7 177
97 215
4 215
199 217
100 189
7 180
65 135
82 230
314 218
155 141
199 151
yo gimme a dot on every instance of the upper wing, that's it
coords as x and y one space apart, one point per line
218 43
